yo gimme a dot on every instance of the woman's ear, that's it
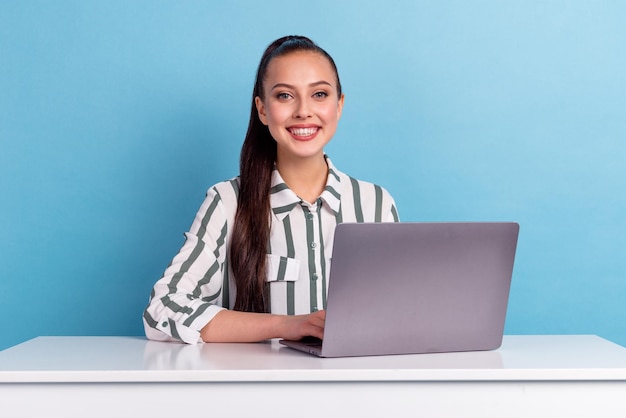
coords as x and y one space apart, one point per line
340 106
260 108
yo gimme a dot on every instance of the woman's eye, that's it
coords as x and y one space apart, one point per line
283 96
320 95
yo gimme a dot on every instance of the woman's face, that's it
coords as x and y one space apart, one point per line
301 106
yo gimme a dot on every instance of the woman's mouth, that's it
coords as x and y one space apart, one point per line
303 133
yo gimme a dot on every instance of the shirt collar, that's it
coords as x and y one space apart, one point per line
283 199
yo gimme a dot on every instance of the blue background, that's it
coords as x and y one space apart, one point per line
116 116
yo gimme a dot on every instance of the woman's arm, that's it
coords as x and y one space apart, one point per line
190 291
235 326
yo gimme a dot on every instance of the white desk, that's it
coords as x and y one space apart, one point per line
556 376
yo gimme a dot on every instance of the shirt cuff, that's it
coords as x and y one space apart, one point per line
188 334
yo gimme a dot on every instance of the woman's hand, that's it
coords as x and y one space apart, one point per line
297 327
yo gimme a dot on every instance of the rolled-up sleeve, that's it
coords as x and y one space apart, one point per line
190 292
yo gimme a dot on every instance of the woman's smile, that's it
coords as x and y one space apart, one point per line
303 133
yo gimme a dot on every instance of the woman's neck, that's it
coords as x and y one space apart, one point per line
306 177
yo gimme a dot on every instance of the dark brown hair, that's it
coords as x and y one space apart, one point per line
251 232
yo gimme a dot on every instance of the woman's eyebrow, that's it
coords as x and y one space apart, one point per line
289 86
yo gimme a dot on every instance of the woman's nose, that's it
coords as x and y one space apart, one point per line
302 110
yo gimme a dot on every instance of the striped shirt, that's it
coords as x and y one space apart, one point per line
198 283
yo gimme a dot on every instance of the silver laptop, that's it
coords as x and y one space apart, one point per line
408 288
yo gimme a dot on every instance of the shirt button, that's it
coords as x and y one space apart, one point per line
313 245
314 277
164 324
314 309
310 216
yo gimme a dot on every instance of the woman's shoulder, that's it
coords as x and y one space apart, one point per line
219 205
224 193
362 200
226 187
355 185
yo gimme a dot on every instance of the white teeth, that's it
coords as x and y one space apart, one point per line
303 131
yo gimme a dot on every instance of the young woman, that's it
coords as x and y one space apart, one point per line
255 262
